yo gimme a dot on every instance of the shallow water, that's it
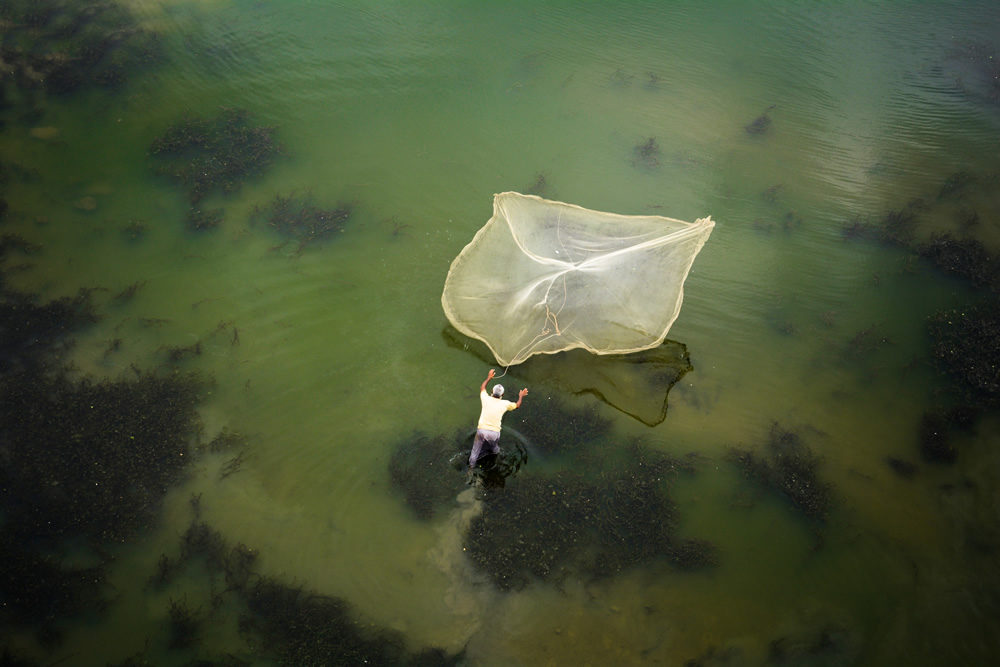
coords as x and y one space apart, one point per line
418 113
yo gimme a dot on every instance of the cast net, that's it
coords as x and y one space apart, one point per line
543 276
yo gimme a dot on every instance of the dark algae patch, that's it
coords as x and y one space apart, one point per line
214 155
298 218
68 47
613 514
277 620
420 468
83 464
785 464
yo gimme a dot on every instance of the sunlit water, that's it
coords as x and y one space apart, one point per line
418 113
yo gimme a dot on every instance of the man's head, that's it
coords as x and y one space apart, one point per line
497 390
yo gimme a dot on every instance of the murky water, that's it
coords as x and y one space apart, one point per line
417 113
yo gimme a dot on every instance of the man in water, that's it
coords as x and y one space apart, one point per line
494 407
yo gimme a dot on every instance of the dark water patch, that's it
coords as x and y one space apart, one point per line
539 187
762 123
957 184
554 427
898 227
895 227
277 621
865 343
82 463
420 467
11 658
176 354
300 627
129 292
965 347
771 193
829 644
646 154
69 47
200 219
981 68
214 154
963 258
134 230
40 589
227 442
719 656
33 334
936 444
300 219
185 624
789 467
596 522
901 467
101 469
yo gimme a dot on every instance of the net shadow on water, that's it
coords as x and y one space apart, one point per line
636 384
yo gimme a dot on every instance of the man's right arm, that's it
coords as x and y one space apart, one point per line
489 377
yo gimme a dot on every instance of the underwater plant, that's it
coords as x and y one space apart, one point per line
420 467
965 345
762 123
215 154
646 154
613 514
966 259
69 47
298 218
790 468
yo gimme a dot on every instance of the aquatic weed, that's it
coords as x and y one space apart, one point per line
420 467
646 154
790 468
965 345
216 154
298 218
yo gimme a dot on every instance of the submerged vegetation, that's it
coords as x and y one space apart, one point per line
646 154
96 475
66 47
552 526
966 347
420 467
279 621
207 155
553 427
788 467
761 124
963 258
298 218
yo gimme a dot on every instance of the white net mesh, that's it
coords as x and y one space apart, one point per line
543 276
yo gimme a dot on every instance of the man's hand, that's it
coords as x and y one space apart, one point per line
522 393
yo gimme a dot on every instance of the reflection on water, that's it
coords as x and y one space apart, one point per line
807 476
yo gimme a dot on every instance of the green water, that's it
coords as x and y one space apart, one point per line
418 113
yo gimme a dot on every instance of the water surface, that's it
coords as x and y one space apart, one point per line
417 114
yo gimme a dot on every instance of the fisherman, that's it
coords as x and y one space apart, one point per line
494 407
